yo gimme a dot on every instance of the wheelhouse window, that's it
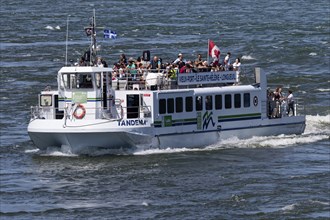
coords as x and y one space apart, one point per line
227 101
199 103
179 104
247 100
162 106
218 102
85 81
208 102
189 104
78 80
237 100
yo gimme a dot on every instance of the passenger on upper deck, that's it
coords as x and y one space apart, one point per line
198 61
179 61
226 62
99 62
122 59
237 65
155 64
131 68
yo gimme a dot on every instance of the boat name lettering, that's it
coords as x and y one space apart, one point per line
132 122
205 78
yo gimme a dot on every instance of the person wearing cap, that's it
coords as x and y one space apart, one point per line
131 68
179 61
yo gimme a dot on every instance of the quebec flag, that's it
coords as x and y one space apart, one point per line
109 34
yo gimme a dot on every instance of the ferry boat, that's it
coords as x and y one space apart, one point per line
91 110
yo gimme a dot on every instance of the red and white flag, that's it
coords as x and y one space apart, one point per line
214 50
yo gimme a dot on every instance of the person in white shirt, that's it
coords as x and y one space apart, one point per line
237 65
290 103
226 61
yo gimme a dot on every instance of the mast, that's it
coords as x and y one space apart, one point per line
66 41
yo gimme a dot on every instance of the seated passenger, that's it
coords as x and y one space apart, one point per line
131 68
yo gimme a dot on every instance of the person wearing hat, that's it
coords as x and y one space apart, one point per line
131 68
179 61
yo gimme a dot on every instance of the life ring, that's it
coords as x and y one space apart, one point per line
76 112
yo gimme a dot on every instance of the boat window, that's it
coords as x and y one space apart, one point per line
199 103
84 81
162 106
170 105
45 100
218 102
78 81
228 101
189 104
247 100
237 100
179 104
208 102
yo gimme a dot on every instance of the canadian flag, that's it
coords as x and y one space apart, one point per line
214 50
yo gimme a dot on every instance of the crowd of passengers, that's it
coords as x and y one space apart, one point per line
280 105
137 68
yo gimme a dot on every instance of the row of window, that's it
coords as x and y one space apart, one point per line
209 102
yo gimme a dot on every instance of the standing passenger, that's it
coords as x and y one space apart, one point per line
290 103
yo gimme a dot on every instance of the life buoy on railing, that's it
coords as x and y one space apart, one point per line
79 112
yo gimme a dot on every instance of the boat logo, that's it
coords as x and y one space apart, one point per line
255 101
207 118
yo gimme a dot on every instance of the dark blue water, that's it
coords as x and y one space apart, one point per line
282 177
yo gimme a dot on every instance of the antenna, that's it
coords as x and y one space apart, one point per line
66 41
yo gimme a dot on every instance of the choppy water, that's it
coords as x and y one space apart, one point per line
261 178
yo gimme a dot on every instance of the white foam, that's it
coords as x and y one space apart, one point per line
248 57
49 27
323 90
32 151
312 54
289 207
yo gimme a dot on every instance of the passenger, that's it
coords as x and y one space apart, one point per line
290 102
278 97
237 65
131 68
187 68
179 61
99 62
122 59
199 61
226 62
155 64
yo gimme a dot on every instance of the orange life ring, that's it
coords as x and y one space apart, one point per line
82 114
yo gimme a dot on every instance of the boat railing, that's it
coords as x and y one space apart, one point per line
153 79
117 113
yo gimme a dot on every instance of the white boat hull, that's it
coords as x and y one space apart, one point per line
92 137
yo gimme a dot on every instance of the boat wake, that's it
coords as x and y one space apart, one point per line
317 129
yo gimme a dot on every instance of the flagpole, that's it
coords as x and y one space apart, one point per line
208 48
